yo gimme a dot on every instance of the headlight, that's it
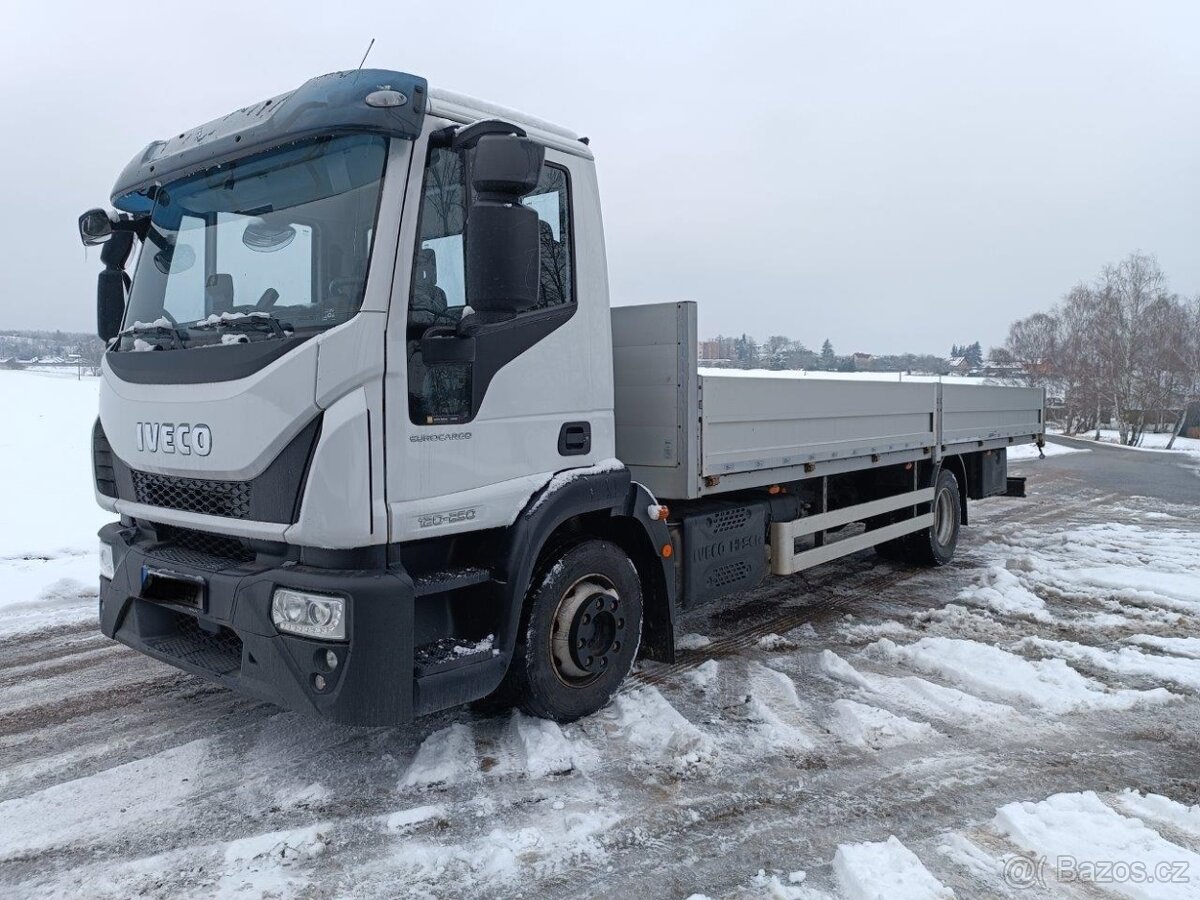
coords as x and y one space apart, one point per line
309 615
107 568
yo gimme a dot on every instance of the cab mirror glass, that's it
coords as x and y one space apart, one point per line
95 227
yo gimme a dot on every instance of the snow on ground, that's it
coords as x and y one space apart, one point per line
1022 452
868 871
1086 831
48 563
862 730
1151 441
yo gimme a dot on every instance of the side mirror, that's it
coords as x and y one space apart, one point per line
95 227
111 284
502 240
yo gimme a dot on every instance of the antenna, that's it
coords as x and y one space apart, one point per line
365 55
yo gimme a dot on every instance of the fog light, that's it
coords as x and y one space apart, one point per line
319 682
107 568
309 615
331 660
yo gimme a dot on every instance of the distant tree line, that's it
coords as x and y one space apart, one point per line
25 345
780 352
1120 348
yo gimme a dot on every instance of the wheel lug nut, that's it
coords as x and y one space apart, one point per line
590 660
616 646
620 623
587 618
581 642
615 604
603 662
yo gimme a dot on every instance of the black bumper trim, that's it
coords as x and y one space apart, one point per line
373 683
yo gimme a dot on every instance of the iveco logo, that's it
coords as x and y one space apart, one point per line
166 437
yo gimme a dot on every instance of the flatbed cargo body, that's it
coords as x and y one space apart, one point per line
687 432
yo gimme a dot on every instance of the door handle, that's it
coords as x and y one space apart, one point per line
575 439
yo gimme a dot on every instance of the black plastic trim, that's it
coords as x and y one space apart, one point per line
200 365
373 683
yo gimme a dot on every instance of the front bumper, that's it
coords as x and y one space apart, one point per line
231 640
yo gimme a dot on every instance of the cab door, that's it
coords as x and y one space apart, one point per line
471 439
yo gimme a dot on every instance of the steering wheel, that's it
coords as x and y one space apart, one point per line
267 300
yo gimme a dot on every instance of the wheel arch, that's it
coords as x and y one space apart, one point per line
605 504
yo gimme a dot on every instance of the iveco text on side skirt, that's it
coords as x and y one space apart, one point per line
378 446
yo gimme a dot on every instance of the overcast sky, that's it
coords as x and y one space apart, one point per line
891 178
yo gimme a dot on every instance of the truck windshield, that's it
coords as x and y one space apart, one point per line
262 248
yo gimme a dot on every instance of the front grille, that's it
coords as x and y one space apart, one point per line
102 460
219 651
200 549
213 498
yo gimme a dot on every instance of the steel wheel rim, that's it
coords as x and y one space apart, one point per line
587 631
944 518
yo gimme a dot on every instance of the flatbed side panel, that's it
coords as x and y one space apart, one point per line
757 423
980 412
656 396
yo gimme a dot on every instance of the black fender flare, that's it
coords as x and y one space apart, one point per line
617 499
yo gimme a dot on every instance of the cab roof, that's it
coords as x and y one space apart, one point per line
336 102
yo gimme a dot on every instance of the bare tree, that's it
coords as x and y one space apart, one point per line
1122 348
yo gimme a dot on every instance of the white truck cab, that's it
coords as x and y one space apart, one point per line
374 453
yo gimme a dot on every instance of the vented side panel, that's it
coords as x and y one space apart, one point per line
724 551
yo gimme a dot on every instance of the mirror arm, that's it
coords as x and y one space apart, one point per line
467 137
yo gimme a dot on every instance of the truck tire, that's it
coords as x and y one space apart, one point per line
583 626
935 545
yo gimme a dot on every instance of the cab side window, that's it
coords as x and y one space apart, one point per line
551 201
442 394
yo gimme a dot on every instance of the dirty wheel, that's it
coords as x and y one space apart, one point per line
583 628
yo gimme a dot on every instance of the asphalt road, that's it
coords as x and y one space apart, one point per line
1167 475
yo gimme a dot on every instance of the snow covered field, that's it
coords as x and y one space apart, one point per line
48 561
1022 723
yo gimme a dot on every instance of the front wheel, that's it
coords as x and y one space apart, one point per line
583 627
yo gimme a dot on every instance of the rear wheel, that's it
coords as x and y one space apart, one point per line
935 545
583 625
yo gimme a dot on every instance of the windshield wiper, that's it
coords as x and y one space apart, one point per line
161 327
255 321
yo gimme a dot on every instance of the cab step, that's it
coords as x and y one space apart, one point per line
445 580
452 653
